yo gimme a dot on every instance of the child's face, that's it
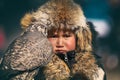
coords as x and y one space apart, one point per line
62 42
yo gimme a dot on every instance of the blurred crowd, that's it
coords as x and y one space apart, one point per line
105 15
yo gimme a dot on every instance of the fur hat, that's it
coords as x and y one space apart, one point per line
55 12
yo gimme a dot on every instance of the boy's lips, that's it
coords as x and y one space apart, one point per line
60 51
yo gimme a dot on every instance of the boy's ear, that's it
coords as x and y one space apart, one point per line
26 20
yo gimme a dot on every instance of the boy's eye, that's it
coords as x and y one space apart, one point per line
54 36
66 35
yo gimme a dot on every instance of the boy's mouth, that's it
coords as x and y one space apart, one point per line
61 51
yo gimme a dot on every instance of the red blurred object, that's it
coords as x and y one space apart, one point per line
2 38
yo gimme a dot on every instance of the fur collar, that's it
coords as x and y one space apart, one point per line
85 68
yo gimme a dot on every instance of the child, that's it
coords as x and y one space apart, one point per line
71 39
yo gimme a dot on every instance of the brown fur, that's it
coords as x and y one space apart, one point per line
26 20
84 39
58 70
86 64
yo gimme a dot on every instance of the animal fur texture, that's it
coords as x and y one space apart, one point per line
51 15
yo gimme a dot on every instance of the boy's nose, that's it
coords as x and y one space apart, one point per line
59 42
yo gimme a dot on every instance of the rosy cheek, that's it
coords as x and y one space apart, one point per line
70 45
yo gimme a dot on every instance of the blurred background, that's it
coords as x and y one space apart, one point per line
104 14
